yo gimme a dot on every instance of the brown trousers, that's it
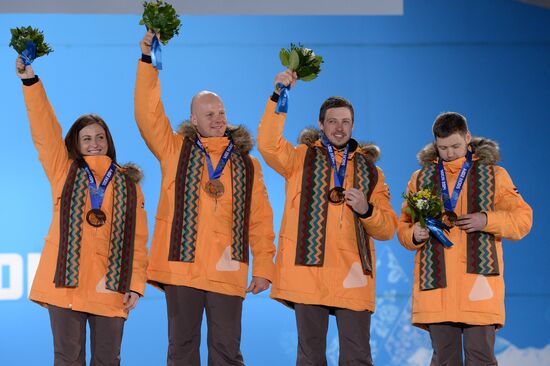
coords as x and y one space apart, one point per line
69 337
353 335
223 315
479 344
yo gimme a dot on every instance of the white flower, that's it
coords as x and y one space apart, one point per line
422 204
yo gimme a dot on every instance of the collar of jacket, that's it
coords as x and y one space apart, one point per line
310 137
100 163
239 134
485 151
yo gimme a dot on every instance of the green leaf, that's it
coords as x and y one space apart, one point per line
309 77
284 57
294 60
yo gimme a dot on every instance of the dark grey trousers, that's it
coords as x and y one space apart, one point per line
223 315
447 339
69 337
353 335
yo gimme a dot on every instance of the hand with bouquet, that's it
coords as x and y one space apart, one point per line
425 208
302 64
161 19
29 44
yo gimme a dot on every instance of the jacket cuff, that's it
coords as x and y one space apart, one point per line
367 214
493 224
410 242
146 58
264 269
31 81
275 97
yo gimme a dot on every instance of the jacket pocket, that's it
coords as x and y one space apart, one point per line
481 293
222 267
292 277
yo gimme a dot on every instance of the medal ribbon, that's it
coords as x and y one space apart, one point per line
450 202
29 53
215 174
282 104
156 53
97 193
339 173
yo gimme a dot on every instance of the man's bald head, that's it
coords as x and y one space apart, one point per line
201 95
208 114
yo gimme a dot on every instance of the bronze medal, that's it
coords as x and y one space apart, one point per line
449 218
336 195
214 188
96 217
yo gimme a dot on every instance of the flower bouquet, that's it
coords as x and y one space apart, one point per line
302 60
425 207
29 43
161 18
422 205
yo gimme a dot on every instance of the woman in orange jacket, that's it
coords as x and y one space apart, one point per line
458 293
93 265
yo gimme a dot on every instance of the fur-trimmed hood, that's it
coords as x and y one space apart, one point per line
486 150
310 135
239 134
132 171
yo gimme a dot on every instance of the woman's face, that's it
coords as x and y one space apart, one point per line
92 140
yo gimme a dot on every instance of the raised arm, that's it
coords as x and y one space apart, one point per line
45 129
277 152
153 124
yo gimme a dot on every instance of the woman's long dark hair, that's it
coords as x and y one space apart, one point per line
71 139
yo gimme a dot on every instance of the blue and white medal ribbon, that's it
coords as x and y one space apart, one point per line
95 216
449 202
336 194
214 187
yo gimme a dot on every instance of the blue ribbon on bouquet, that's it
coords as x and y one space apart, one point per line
437 227
282 104
29 53
156 53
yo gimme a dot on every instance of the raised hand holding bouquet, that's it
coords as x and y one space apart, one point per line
425 207
29 43
304 62
162 19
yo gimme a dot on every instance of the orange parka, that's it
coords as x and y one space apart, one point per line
467 298
213 268
340 281
91 295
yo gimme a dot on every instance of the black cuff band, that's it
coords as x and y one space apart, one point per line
367 214
275 97
146 58
31 81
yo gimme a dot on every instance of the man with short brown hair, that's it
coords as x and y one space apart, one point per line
458 293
